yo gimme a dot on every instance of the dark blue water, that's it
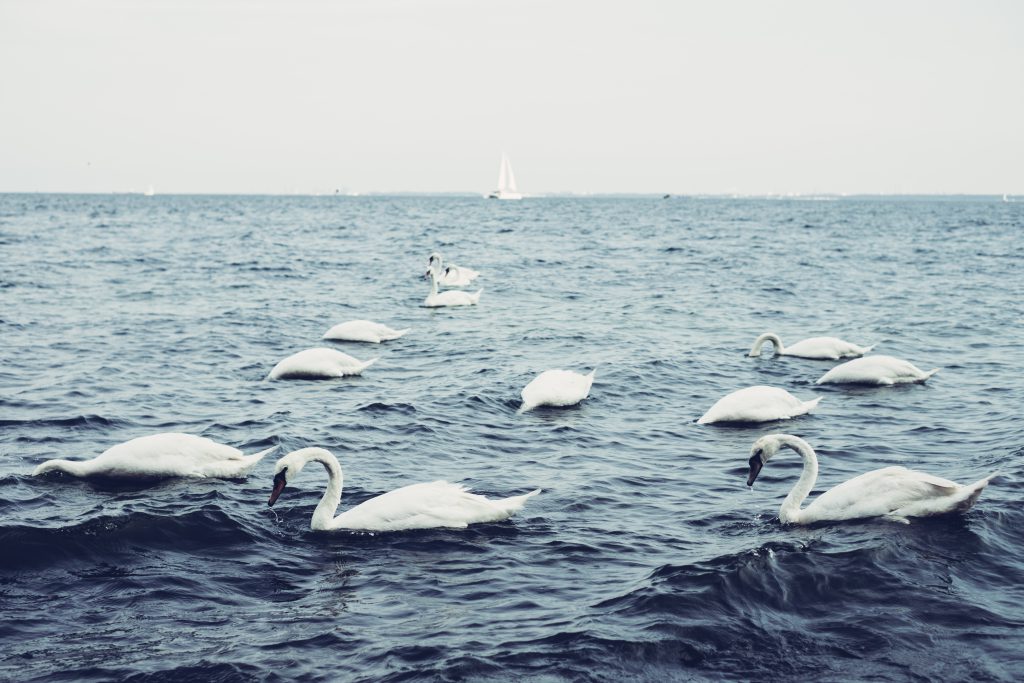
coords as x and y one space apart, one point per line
646 556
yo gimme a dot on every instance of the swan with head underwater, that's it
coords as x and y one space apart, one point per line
319 363
431 505
557 388
815 348
893 493
450 275
757 404
452 297
876 370
170 454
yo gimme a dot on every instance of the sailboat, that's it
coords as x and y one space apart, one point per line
150 191
506 182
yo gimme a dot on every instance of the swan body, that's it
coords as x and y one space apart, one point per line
319 364
880 370
757 404
363 331
449 298
431 505
817 348
556 388
893 493
161 455
450 275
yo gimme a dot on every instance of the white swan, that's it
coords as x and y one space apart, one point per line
363 331
319 364
161 455
757 404
419 506
449 298
894 493
556 388
450 275
817 348
883 370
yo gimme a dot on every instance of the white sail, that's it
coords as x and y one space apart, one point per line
502 173
506 181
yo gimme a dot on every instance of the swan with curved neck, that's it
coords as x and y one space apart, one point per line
894 493
450 297
815 348
170 454
431 505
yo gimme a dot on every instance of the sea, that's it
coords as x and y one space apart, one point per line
645 558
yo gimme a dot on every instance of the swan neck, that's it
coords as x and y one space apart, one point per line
790 510
72 467
433 284
324 513
764 338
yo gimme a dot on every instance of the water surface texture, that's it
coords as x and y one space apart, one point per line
646 557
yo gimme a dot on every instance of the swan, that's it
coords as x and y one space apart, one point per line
161 455
449 298
418 506
817 348
450 275
894 493
556 388
883 370
363 331
319 364
757 404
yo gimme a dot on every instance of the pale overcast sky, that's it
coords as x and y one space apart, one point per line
393 95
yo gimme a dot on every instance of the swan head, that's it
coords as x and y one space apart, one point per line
760 453
288 467
434 263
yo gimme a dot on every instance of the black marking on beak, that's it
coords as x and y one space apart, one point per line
279 484
756 463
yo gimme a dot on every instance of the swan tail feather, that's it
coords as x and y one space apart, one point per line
366 364
973 492
251 460
808 406
929 374
868 349
516 503
398 333
476 297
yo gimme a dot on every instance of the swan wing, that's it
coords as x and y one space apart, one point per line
883 493
426 506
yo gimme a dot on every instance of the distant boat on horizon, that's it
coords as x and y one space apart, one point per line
1005 198
506 182
149 191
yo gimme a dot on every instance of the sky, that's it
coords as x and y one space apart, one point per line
233 96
